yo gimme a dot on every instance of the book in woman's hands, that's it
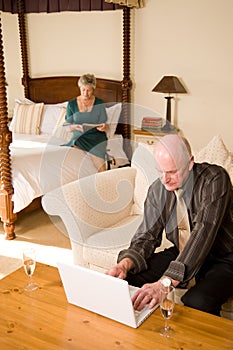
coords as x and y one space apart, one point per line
87 126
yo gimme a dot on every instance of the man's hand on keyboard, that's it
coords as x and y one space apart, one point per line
148 294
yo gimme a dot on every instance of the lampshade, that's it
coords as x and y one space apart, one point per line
169 84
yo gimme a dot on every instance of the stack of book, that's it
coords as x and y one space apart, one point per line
152 123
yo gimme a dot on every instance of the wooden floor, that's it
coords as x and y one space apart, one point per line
37 230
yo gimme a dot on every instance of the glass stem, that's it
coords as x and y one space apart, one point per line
166 324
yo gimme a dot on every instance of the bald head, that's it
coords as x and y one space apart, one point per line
174 160
174 146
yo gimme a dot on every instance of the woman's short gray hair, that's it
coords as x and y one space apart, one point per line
87 79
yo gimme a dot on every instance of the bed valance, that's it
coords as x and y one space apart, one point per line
49 6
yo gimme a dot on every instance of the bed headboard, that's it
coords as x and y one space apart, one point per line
64 88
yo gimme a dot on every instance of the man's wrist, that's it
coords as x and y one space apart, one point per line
127 263
174 283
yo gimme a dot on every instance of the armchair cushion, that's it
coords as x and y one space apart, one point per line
110 242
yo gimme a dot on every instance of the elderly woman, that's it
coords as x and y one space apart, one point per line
88 109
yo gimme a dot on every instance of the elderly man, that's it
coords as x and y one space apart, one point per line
202 235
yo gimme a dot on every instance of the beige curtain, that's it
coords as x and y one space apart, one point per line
129 3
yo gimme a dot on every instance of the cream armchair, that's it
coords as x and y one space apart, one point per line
98 216
101 212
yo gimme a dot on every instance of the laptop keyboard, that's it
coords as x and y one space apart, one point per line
132 290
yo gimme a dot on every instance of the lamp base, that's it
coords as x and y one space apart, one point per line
169 128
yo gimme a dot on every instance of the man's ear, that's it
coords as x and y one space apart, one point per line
191 163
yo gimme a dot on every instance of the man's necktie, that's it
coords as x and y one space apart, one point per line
182 219
183 225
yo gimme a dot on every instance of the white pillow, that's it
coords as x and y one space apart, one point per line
18 101
27 118
113 115
216 153
51 116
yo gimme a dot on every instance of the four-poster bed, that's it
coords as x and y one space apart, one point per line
52 90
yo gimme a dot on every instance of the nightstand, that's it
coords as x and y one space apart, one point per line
147 137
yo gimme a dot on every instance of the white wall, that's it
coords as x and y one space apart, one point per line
189 39
192 40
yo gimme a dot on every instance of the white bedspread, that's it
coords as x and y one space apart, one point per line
39 164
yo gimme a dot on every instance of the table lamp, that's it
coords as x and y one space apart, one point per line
169 85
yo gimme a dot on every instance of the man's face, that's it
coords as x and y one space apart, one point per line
172 174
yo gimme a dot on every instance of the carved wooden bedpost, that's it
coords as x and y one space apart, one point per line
126 82
23 45
6 189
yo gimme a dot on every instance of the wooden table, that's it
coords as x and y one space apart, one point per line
44 320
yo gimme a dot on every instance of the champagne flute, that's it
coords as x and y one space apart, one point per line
29 263
167 303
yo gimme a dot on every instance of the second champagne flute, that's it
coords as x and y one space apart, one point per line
29 263
167 303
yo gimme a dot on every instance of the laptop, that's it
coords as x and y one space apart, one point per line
100 293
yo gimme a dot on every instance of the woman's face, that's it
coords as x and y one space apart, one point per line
86 91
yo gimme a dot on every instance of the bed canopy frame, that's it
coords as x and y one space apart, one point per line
8 217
